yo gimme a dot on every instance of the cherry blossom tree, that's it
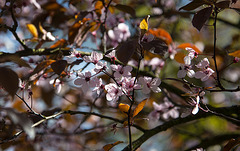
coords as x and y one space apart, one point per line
119 75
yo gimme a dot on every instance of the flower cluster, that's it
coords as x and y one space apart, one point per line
123 82
165 110
186 68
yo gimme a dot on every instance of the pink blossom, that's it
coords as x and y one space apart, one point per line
196 108
206 71
156 62
94 58
99 86
100 66
185 70
204 75
56 83
113 92
112 55
119 34
165 110
128 84
150 84
121 71
85 81
203 64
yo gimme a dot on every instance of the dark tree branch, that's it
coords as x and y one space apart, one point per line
214 141
149 133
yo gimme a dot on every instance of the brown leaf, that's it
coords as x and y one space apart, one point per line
110 146
16 59
126 9
59 66
139 107
42 66
156 46
223 4
59 44
193 5
201 17
125 50
9 80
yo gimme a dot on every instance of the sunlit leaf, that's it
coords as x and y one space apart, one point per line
144 23
125 50
161 34
59 66
139 107
126 9
42 66
9 80
33 30
16 59
123 107
235 54
98 7
94 26
59 44
179 57
110 146
189 45
200 18
193 5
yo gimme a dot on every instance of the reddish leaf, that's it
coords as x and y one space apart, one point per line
161 34
123 107
126 9
59 44
59 66
9 80
235 54
139 107
179 57
110 146
223 4
201 17
193 5
125 50
185 45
